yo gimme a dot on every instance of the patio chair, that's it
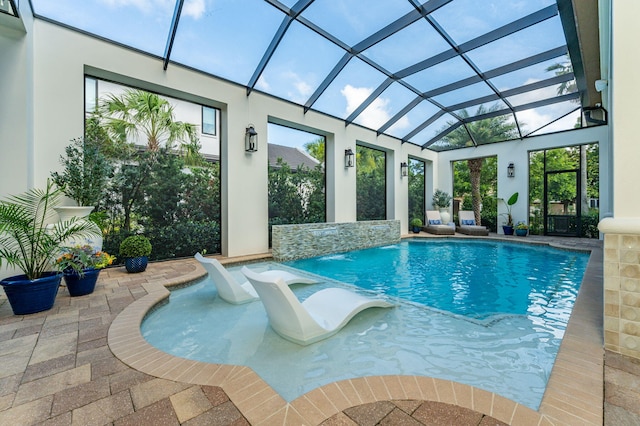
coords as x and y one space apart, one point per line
435 226
237 293
468 224
321 315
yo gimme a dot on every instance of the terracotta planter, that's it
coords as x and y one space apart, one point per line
31 296
81 285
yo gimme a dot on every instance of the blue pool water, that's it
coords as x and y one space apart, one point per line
477 279
510 352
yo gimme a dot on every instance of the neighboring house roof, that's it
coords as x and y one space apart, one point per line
294 157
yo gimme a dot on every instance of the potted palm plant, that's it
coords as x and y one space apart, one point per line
30 241
80 266
135 250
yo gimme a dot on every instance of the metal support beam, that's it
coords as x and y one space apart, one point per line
177 11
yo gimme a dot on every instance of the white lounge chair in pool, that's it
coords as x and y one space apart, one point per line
234 292
321 315
468 224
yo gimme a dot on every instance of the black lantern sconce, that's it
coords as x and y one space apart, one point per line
250 139
511 170
349 158
404 169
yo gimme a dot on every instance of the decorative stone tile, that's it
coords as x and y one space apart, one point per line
630 299
629 242
630 342
611 241
629 270
611 269
630 327
630 313
611 324
611 254
314 239
629 256
630 285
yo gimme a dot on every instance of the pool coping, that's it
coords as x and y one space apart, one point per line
574 392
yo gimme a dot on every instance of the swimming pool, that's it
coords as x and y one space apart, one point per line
475 278
510 354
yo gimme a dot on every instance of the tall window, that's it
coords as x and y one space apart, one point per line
416 189
370 184
172 195
296 176
209 121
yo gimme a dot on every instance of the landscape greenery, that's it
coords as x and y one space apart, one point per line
168 191
171 194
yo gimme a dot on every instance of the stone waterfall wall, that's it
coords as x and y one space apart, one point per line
304 240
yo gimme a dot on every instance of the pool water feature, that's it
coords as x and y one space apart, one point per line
507 353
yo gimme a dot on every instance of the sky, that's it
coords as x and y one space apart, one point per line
228 38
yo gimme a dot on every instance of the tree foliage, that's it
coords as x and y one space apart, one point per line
416 177
316 149
370 184
137 112
481 132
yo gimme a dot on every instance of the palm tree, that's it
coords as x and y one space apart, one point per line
139 112
493 129
316 149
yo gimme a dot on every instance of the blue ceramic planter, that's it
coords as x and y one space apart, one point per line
81 285
31 296
136 264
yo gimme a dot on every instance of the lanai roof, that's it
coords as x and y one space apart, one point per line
413 70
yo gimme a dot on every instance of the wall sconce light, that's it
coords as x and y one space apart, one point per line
511 170
349 158
404 169
250 139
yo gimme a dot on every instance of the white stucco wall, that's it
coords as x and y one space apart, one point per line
16 173
624 85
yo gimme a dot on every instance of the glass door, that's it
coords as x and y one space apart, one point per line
562 209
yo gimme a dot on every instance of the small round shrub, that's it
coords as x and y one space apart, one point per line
135 246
